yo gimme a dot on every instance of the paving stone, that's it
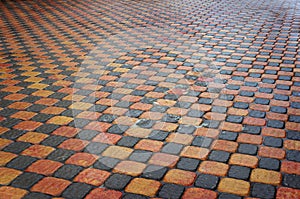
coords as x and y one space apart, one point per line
292 181
154 172
188 164
21 162
117 181
207 181
76 190
239 172
263 191
17 147
26 180
248 149
171 191
68 172
219 156
273 142
226 135
228 196
37 196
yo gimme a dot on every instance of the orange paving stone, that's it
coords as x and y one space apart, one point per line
199 193
213 168
149 145
129 168
100 193
117 152
164 159
92 176
285 192
32 137
82 159
44 167
51 186
6 157
243 160
38 151
195 152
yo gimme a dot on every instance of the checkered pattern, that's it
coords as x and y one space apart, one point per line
150 99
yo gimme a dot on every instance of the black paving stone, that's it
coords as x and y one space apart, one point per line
257 114
60 155
248 149
292 181
269 163
76 190
47 128
12 134
278 109
158 135
117 181
87 134
239 172
134 196
53 140
195 113
188 164
228 196
128 141
207 181
275 124
117 129
154 172
241 105
293 135
263 191
172 148
17 147
234 119
95 148
293 155
68 172
171 191
225 135
106 163
187 129
140 156
252 129
34 195
26 180
21 162
219 156
273 142
202 141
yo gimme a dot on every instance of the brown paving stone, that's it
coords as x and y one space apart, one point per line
150 145
44 167
265 176
249 139
7 175
224 145
60 120
38 151
290 167
66 131
23 115
285 192
195 152
199 193
82 159
28 125
107 138
234 186
181 177
92 176
12 192
51 186
129 168
163 159
213 168
271 152
101 193
117 152
143 186
292 145
180 138
73 144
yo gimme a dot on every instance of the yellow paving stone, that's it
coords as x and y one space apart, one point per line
117 152
6 157
180 138
32 137
80 106
195 152
234 186
129 168
265 176
7 175
143 186
60 120
7 192
243 160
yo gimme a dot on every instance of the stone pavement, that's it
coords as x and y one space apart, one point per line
195 99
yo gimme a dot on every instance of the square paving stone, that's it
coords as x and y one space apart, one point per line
37 196
226 135
248 149
68 172
60 155
154 172
202 141
269 163
219 156
17 147
117 181
263 191
106 163
21 162
76 190
188 164
26 180
239 172
172 148
291 180
140 156
207 181
273 142
171 191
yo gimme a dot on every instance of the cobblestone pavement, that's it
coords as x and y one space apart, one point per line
150 99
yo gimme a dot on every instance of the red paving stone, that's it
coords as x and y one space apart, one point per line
162 99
